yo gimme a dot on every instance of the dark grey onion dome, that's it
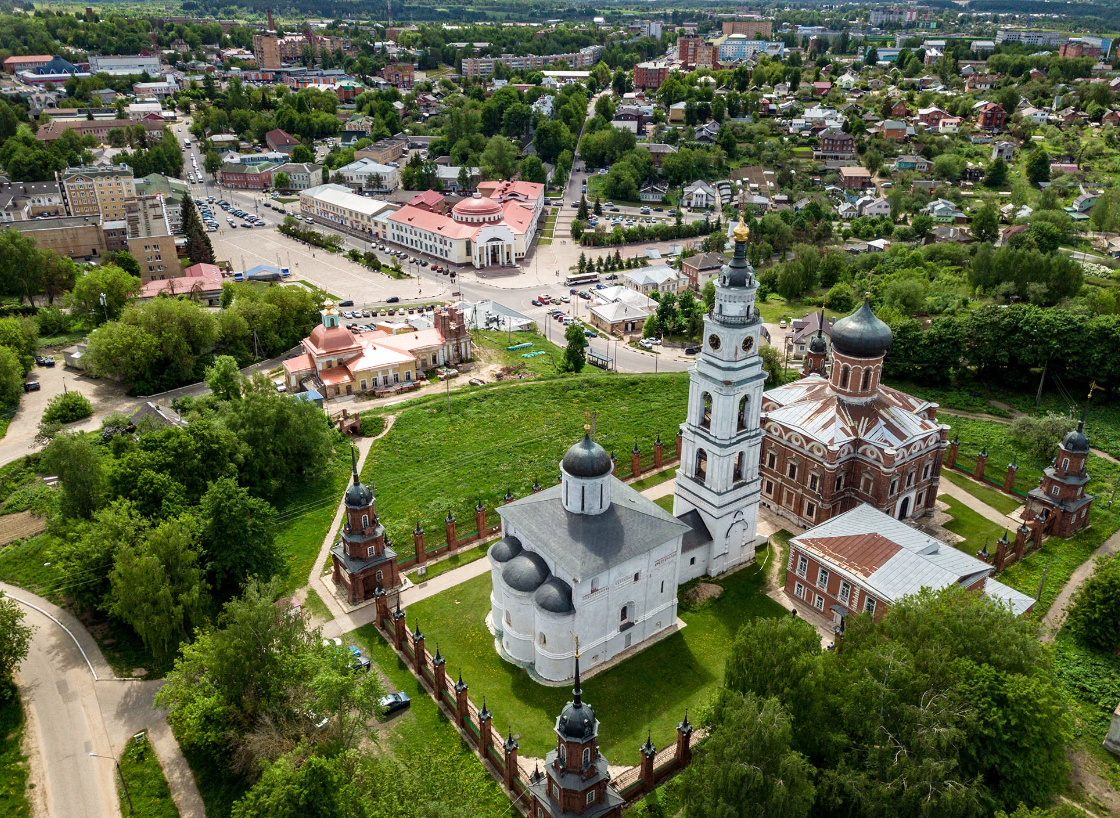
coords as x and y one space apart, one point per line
576 721
587 459
506 548
555 596
862 334
525 572
358 496
1076 441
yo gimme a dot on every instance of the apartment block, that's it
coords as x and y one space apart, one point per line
97 191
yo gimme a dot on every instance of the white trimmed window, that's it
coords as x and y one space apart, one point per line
845 591
818 603
802 565
822 578
591 797
810 510
799 590
869 605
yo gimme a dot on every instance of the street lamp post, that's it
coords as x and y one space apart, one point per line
105 306
124 783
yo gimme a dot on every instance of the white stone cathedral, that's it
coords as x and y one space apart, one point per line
718 486
592 559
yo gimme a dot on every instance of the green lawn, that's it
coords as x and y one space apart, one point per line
500 438
654 479
315 606
665 502
781 539
649 691
311 286
1002 449
539 366
305 516
147 786
13 763
456 560
978 531
970 397
1003 503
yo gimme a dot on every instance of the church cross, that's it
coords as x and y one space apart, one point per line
591 415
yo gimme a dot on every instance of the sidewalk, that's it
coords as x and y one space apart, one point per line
981 508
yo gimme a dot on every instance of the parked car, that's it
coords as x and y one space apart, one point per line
31 386
692 350
346 303
394 702
476 382
782 323
590 333
536 303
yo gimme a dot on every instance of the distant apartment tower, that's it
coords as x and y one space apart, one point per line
474 67
150 239
750 27
124 66
906 16
1078 47
97 191
650 75
266 51
650 28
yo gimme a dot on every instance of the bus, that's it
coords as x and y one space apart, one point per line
581 278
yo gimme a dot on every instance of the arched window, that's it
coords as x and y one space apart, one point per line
586 758
701 471
866 380
542 640
744 411
706 417
740 464
365 522
582 498
601 485
844 373
563 754
508 620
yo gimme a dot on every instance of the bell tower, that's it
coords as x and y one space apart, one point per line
816 356
721 439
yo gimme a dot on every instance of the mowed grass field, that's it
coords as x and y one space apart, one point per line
502 438
650 691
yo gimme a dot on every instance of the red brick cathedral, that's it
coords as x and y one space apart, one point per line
836 437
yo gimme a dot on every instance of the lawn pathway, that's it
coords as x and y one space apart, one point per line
1052 621
316 580
979 506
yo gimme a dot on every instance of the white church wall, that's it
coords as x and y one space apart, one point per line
553 654
518 628
694 563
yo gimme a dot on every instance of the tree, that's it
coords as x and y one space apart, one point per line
575 351
237 537
747 766
281 181
1037 168
211 163
224 379
199 249
20 265
464 178
302 153
772 363
11 377
58 274
15 640
996 175
872 56
158 588
68 407
576 229
582 213
77 461
1038 437
840 298
532 170
1094 615
125 260
499 160
985 224
921 224
118 286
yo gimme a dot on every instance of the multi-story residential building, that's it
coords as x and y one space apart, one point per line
650 28
385 151
266 51
150 239
30 200
98 128
740 47
750 27
101 190
77 237
125 65
339 206
13 65
701 268
649 75
990 116
854 177
174 193
906 16
246 177
835 145
301 175
366 174
1077 47
399 75
474 67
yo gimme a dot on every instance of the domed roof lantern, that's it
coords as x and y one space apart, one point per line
738 272
587 458
577 720
862 334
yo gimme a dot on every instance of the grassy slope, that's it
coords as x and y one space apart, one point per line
13 763
147 786
502 438
649 691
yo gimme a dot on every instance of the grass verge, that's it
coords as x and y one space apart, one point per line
315 606
1003 503
147 787
978 531
456 560
629 699
13 763
654 479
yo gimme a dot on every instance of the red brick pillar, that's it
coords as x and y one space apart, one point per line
1021 534
399 629
1009 478
449 527
382 605
657 447
1036 533
484 727
981 464
418 540
680 443
536 486
439 675
337 574
614 465
951 455
418 647
510 760
648 754
462 712
480 518
684 742
635 461
1001 552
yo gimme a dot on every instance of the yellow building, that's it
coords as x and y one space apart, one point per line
97 191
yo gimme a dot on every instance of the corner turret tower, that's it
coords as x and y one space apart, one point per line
363 560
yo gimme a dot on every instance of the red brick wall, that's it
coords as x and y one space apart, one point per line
830 593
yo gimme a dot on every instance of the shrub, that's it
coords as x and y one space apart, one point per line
53 321
67 408
1094 616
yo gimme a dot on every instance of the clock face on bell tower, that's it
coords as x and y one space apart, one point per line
714 342
748 343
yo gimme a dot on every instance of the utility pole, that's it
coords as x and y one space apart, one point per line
1041 381
124 784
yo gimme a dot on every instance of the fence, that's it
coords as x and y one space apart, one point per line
476 726
979 471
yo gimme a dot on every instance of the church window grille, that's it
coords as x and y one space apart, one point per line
563 755
740 459
1054 491
771 459
744 410
591 796
701 472
706 417
1065 463
869 605
378 576
818 603
866 380
810 511
586 761
798 590
365 522
844 373
822 578
802 565
845 592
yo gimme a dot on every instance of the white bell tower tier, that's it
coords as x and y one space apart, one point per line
718 485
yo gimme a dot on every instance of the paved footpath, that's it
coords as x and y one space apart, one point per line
75 706
979 506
